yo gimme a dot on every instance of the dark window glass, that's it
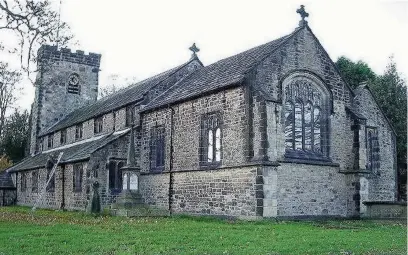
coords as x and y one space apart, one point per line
157 148
63 138
211 139
305 127
23 186
50 141
77 177
115 176
129 115
78 131
98 125
114 121
41 143
373 149
34 181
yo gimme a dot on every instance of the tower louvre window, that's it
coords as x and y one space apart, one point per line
73 84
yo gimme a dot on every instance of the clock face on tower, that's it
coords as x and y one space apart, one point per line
73 84
73 79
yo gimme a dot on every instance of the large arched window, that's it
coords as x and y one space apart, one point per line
306 111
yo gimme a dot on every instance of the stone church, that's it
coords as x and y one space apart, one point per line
274 131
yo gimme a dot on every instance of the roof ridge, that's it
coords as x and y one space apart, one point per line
248 58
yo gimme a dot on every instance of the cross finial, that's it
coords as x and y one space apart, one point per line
194 49
302 14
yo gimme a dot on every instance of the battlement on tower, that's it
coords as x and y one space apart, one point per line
48 52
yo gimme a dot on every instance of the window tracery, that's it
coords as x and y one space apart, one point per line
305 119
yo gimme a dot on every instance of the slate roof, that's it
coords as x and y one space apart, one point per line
112 102
72 152
228 71
5 181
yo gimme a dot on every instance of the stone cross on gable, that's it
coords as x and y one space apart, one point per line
194 49
302 14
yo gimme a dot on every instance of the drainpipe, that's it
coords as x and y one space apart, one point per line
171 158
63 187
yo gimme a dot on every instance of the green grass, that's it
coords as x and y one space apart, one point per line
51 232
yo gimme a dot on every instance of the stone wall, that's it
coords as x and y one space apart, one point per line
186 130
49 199
52 101
309 190
382 184
221 192
75 200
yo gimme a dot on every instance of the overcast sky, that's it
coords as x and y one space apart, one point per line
142 38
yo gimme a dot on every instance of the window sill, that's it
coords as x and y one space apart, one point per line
210 165
321 162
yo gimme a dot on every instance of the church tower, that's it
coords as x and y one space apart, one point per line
65 82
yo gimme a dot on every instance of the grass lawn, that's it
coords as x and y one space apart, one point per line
51 232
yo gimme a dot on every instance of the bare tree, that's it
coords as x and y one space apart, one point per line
8 86
115 83
29 24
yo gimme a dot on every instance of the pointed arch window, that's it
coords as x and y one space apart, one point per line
211 139
306 110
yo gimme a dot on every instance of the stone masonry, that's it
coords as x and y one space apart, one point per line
231 141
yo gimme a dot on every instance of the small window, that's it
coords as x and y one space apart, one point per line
77 177
50 141
63 138
211 139
51 183
73 84
34 181
78 131
129 115
23 186
115 176
373 149
41 143
98 125
157 149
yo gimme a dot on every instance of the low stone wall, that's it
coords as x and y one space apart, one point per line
221 192
307 191
386 209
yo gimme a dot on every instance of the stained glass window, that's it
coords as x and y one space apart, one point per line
303 113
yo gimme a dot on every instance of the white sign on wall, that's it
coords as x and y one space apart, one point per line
133 182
